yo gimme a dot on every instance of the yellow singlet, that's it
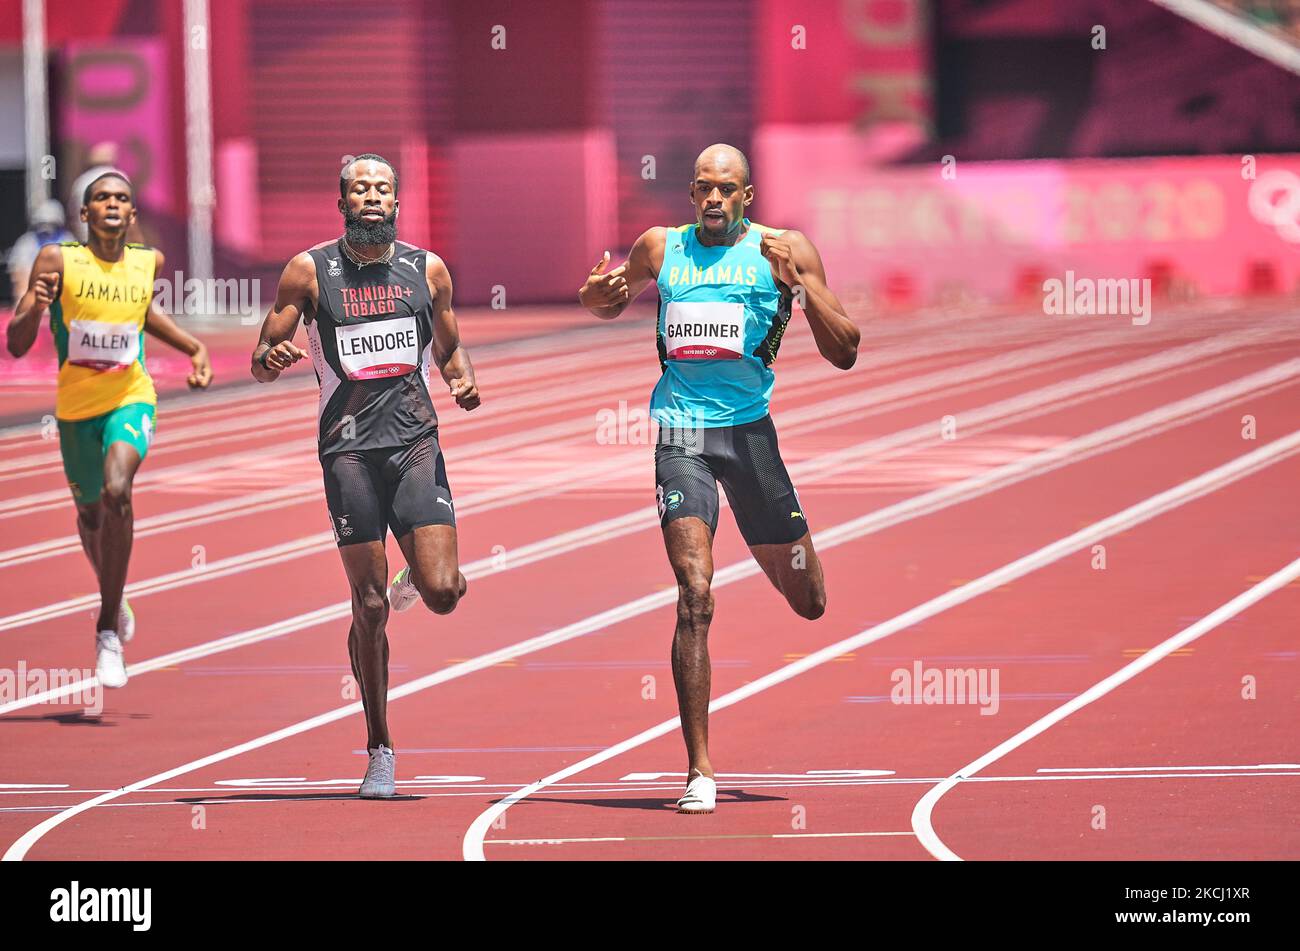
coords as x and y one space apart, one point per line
98 323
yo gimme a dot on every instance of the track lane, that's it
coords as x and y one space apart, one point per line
658 554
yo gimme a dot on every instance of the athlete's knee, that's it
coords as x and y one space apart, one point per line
116 494
370 607
809 602
695 600
441 595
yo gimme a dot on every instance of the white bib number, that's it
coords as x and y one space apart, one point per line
378 349
704 330
102 346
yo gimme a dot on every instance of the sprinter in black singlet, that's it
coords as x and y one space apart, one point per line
378 313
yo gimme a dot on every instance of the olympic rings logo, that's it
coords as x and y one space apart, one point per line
1275 200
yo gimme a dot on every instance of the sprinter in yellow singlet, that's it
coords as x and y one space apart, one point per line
100 298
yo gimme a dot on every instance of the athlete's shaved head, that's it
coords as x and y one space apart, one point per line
722 156
720 192
346 175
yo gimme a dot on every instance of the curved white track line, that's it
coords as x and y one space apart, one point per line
922 814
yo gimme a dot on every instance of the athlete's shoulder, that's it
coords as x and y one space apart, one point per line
331 242
654 238
765 229
52 256
411 253
436 271
140 253
647 254
301 268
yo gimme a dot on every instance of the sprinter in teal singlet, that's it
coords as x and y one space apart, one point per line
726 285
721 316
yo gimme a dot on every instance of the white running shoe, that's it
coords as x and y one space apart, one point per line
110 666
402 592
379 783
701 795
125 622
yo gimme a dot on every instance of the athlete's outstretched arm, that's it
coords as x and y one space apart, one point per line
607 294
797 264
158 323
294 295
451 357
47 272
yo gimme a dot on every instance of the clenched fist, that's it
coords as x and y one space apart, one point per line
465 392
780 255
46 286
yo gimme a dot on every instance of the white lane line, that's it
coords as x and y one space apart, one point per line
701 838
472 504
519 557
1151 769
239 795
1144 426
922 814
246 428
1149 508
628 335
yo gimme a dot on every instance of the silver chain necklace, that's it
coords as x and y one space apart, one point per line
363 262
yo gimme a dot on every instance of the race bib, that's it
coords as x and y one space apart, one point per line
102 346
379 348
704 330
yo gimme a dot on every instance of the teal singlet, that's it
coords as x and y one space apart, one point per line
721 317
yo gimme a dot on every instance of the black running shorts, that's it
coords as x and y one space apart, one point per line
371 490
745 459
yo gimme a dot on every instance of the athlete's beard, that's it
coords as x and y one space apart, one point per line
358 231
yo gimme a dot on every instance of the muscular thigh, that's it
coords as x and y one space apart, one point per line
357 496
758 487
419 493
685 483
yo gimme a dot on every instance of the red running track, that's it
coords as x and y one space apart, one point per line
958 481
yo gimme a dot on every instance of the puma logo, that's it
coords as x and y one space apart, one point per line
412 263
